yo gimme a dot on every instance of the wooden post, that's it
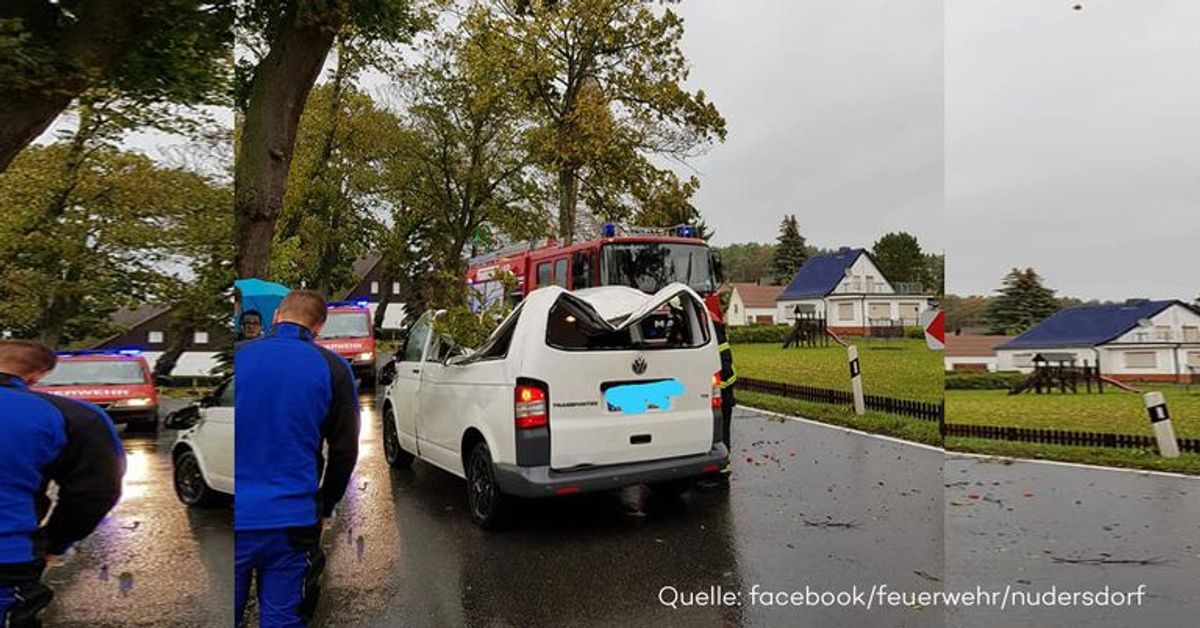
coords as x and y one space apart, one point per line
1160 418
860 404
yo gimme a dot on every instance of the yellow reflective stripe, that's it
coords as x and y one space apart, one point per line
724 347
729 382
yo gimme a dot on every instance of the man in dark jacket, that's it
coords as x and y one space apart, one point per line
293 399
46 438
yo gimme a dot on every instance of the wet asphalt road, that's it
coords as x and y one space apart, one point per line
808 506
1035 526
152 562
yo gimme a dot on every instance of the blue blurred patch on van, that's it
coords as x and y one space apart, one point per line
640 398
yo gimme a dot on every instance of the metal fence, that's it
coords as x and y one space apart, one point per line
904 407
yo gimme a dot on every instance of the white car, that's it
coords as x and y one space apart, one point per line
203 451
573 392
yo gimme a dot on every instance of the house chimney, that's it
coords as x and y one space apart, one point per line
844 250
1136 302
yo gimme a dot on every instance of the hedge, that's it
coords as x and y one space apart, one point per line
983 381
750 334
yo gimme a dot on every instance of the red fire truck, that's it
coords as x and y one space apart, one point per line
647 259
349 333
117 380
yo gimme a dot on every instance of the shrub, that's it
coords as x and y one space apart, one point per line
983 381
750 334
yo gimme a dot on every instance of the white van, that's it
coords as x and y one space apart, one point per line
573 392
203 451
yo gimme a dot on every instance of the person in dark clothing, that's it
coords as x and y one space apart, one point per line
47 438
728 380
293 399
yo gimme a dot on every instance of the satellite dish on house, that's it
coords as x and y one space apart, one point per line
1145 322
847 272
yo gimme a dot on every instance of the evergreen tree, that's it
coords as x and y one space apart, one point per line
900 258
1023 302
790 251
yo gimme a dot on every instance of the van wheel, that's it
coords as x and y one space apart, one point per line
190 486
484 499
396 457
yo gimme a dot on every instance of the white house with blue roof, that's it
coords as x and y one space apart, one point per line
850 291
1138 340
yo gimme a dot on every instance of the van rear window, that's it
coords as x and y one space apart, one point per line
575 326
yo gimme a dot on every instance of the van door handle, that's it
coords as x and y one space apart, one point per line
416 371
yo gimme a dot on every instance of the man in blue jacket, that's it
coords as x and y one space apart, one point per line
46 438
293 398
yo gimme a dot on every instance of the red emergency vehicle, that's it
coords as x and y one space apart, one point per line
117 380
647 259
349 332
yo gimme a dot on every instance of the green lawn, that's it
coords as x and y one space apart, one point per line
1117 412
898 368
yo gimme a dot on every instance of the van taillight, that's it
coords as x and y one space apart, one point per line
530 406
715 398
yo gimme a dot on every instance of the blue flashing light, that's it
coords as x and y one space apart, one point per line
131 352
357 303
609 230
686 231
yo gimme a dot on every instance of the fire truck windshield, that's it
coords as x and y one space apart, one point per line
346 325
650 266
94 372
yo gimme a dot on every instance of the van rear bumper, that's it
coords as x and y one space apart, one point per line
545 482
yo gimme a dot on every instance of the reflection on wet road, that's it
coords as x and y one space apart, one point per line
1035 526
808 505
152 562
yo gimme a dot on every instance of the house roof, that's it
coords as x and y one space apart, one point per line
820 275
756 296
973 345
1088 325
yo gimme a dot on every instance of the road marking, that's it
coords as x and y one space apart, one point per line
843 429
1059 463
964 454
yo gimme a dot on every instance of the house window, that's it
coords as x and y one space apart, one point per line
395 287
1191 333
1141 359
1022 360
374 287
910 313
200 338
845 312
154 337
735 308
869 284
1193 359
1162 333
880 311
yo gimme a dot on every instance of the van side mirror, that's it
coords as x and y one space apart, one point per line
718 268
183 418
164 380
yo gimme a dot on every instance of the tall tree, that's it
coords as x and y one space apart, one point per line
747 263
901 259
790 251
1022 303
605 78
152 52
286 44
965 312
464 161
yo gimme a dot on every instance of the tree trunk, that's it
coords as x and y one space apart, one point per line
105 30
278 92
178 334
568 194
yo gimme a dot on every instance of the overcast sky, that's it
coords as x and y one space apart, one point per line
834 111
1073 145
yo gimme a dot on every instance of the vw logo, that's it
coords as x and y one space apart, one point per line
639 365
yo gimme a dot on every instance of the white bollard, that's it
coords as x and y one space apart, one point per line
1164 432
860 405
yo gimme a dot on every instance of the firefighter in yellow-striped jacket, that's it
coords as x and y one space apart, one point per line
728 374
